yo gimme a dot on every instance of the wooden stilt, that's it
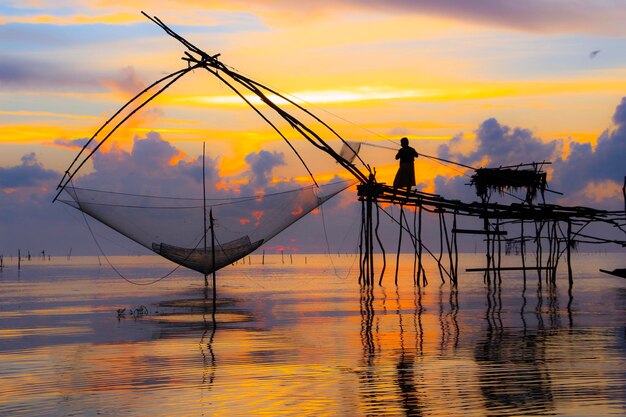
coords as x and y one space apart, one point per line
399 244
570 277
456 251
414 238
420 268
538 251
380 244
499 237
213 260
440 248
449 248
523 250
370 218
361 234
487 278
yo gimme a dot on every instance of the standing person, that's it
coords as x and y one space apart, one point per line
405 177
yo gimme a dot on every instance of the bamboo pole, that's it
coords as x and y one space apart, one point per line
456 251
414 238
399 244
213 260
380 244
570 277
420 268
523 250
440 248
449 247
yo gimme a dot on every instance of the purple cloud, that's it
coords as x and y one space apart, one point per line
606 162
261 166
73 143
600 16
501 145
29 173
17 72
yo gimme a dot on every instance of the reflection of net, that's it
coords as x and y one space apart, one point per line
173 227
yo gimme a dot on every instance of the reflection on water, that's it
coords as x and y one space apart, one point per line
306 340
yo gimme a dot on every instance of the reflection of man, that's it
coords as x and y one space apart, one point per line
405 177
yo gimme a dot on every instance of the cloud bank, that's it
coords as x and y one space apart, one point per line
28 174
577 175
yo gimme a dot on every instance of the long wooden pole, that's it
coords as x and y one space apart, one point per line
380 244
399 244
213 261
206 280
420 268
624 192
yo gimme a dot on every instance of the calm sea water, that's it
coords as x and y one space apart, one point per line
301 338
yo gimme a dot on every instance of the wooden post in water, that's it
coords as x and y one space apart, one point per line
569 254
370 228
399 244
440 248
456 251
19 259
487 276
449 247
361 234
624 192
420 268
213 261
414 238
263 258
523 251
380 244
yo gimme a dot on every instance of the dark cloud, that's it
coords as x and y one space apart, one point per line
605 162
261 166
29 173
496 145
499 145
152 166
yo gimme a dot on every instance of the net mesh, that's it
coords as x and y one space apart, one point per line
179 228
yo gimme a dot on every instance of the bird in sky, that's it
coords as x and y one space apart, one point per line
593 54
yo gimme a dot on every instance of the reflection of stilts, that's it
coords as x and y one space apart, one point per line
405 372
448 320
209 363
369 376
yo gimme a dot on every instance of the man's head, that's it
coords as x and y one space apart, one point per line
404 142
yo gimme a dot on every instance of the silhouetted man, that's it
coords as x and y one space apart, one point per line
405 177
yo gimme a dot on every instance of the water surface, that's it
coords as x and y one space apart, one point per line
298 336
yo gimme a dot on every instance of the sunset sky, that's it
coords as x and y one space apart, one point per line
485 83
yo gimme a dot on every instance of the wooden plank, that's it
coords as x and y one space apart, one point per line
479 232
508 268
